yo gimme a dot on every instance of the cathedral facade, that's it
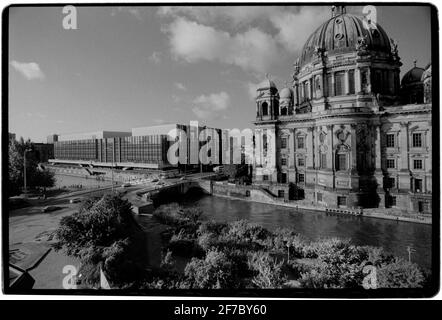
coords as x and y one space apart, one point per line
348 132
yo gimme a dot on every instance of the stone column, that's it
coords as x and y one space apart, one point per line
368 80
403 148
317 153
358 88
377 141
290 148
330 164
310 148
347 84
353 160
332 84
295 95
428 142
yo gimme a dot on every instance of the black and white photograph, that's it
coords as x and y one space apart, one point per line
216 149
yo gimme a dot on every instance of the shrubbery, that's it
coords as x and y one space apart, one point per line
103 234
212 272
258 258
219 255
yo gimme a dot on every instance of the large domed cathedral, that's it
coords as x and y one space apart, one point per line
347 131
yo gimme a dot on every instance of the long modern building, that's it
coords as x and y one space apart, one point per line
347 132
144 147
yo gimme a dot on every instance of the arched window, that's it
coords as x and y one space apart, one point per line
339 83
351 81
265 109
341 162
283 111
264 142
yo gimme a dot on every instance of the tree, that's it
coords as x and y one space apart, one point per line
400 274
268 271
35 176
237 172
213 272
103 234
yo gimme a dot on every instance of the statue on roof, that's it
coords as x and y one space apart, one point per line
362 44
394 50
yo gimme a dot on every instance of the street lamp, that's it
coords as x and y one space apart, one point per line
24 169
288 252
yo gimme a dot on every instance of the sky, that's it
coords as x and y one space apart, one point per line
126 67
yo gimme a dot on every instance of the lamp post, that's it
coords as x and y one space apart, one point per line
288 252
410 250
24 170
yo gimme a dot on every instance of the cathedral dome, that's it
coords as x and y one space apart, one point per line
412 76
285 93
266 84
341 34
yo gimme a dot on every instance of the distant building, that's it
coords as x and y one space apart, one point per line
43 151
92 135
144 147
52 138
12 136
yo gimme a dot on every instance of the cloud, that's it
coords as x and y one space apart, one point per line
251 90
252 50
155 57
295 27
176 98
30 70
231 15
180 86
291 24
133 11
159 121
210 106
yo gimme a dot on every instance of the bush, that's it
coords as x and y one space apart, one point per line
104 235
268 272
243 230
283 236
216 228
214 272
98 224
207 241
400 274
184 244
178 217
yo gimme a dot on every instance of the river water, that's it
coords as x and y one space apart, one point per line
393 236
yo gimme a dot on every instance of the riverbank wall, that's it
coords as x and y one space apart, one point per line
262 195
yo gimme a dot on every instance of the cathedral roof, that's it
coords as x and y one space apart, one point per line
341 34
286 93
412 76
266 84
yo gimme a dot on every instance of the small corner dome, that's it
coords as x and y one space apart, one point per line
266 84
412 76
286 93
